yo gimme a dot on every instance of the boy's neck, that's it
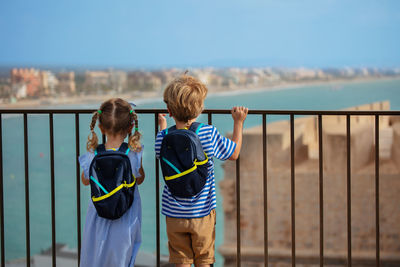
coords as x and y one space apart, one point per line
182 125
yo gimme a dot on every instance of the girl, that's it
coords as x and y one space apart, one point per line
113 242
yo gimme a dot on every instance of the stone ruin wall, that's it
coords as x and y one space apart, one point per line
307 193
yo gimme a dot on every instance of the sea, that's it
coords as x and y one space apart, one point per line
332 96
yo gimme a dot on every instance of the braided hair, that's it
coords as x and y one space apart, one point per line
134 140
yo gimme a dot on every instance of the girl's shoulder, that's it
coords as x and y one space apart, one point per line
133 152
136 154
85 160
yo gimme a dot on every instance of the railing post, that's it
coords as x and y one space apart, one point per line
292 180
238 237
321 192
27 221
1 194
348 135
265 186
157 197
78 187
377 190
52 182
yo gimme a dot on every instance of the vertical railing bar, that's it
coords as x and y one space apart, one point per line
78 187
348 137
321 193
238 237
52 182
377 190
292 174
265 185
157 198
1 194
209 115
27 221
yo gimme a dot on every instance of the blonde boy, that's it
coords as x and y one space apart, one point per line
191 221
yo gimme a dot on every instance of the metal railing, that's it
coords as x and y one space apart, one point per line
210 113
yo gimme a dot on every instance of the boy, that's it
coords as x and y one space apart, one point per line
191 221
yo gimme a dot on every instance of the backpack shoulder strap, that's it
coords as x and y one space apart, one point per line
169 130
195 127
100 149
124 148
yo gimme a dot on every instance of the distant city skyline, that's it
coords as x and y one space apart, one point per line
185 33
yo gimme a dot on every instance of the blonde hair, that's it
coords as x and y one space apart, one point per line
115 117
184 97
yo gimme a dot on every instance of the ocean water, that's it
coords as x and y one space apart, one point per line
318 97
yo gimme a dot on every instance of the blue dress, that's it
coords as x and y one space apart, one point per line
112 242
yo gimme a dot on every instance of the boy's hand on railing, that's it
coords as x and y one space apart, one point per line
162 122
239 114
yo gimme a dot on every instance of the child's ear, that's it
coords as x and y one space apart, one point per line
169 112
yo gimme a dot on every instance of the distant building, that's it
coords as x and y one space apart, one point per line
144 81
348 72
204 75
48 82
97 80
19 90
112 80
304 74
25 82
118 80
66 82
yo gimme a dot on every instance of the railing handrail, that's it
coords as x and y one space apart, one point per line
216 111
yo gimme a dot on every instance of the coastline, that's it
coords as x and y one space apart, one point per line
298 84
153 96
72 101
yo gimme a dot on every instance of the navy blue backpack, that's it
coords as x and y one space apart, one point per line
112 182
183 162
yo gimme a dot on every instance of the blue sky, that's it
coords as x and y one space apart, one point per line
177 33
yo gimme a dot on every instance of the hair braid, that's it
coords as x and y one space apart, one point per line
92 141
134 140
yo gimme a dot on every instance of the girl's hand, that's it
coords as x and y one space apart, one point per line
140 179
84 180
162 122
239 114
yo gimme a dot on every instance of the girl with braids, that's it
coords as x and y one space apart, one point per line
113 242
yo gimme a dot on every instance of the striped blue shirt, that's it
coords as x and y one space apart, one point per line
214 145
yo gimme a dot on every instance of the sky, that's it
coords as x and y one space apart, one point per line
200 33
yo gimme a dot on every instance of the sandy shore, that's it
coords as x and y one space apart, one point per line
141 97
293 85
72 101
